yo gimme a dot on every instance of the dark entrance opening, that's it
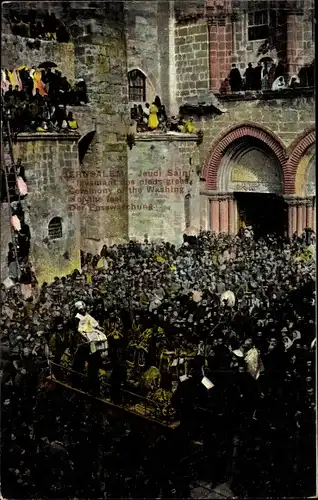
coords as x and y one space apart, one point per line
266 213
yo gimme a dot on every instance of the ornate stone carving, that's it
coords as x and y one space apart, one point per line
221 196
296 202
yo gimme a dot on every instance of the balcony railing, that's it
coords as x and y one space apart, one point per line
127 400
267 94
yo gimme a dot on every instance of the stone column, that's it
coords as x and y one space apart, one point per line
294 32
173 105
232 204
300 214
294 218
235 216
309 214
213 56
291 43
224 214
292 215
215 215
300 217
220 41
231 215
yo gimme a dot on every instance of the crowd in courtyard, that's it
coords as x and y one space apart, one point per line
36 99
259 429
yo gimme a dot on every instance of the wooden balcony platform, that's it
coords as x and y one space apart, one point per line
138 410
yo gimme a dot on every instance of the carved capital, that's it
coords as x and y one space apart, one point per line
301 202
296 201
310 202
221 196
291 200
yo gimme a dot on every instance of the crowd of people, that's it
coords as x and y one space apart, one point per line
257 431
46 27
36 100
266 75
154 117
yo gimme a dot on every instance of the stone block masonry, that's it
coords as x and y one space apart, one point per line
162 172
101 59
287 118
220 50
192 59
44 158
15 52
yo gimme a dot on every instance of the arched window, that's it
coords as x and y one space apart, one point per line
187 214
137 86
55 228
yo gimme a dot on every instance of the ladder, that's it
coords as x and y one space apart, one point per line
7 166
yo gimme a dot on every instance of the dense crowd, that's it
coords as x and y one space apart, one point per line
256 432
154 117
266 75
37 99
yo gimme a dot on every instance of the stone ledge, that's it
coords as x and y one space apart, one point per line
47 136
165 137
268 95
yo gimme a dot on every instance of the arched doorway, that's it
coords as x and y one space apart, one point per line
245 178
250 171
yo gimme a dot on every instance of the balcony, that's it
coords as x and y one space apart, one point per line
216 103
265 95
130 402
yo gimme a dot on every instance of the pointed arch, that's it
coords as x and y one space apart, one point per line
149 80
247 129
296 151
84 144
137 85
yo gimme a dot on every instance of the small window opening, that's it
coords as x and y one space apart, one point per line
187 216
137 86
55 228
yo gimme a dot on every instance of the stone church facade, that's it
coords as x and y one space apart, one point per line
252 144
128 52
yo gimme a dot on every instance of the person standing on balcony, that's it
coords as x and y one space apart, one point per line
235 79
264 76
271 74
153 121
249 77
258 76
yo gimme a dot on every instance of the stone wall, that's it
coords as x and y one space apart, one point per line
15 52
162 172
141 29
97 53
192 61
227 42
150 47
287 118
47 160
246 51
